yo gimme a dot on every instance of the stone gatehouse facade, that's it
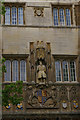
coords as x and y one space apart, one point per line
40 41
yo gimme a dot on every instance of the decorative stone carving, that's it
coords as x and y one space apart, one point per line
63 93
40 50
38 11
42 98
74 93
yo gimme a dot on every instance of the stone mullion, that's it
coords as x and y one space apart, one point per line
11 70
19 69
17 15
76 69
58 17
69 71
10 15
61 70
73 14
64 16
23 15
76 14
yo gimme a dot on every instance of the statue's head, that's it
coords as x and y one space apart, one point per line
40 62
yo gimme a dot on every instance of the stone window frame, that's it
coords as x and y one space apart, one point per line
68 59
11 59
17 5
63 7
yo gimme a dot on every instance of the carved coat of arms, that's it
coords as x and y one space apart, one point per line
42 96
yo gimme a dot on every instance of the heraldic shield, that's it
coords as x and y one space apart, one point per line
75 104
42 96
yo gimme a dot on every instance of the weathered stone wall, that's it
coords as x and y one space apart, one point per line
63 40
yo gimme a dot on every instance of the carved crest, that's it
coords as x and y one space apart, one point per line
41 98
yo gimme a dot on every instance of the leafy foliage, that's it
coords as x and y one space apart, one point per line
12 93
2 8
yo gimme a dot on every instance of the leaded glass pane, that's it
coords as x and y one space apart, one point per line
7 75
20 15
23 70
55 15
14 15
65 71
61 15
7 16
58 70
15 70
68 17
72 71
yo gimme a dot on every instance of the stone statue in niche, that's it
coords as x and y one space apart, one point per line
41 73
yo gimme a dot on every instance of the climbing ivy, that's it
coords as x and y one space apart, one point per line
12 93
2 8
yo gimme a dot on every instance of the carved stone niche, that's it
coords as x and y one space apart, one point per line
41 63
